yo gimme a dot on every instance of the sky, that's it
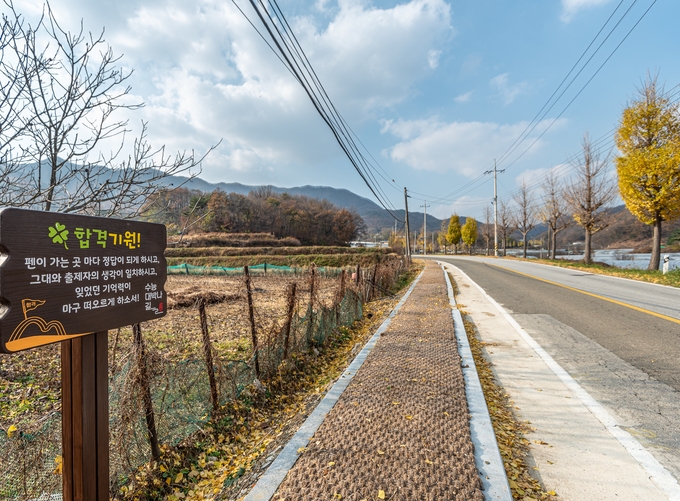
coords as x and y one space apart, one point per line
435 90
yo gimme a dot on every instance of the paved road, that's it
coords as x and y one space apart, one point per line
627 359
649 343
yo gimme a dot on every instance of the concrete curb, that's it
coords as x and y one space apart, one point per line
655 471
487 456
268 483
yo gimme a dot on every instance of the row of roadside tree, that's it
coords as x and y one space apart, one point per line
647 180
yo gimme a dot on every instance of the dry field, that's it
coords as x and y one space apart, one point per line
30 381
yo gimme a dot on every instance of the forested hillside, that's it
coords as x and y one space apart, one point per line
311 221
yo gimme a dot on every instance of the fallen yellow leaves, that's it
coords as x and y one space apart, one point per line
509 431
381 494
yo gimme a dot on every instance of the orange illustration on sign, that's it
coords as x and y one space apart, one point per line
17 342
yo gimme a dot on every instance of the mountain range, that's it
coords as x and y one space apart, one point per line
624 230
375 217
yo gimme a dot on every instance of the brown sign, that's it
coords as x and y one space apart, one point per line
64 275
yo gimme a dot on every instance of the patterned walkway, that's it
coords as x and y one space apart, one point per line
400 431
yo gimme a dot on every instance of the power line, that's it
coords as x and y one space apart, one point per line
291 54
471 185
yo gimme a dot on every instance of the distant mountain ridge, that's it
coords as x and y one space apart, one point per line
375 217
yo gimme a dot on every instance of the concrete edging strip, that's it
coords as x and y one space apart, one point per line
269 482
657 473
487 456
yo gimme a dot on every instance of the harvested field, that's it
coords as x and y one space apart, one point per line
231 240
174 354
271 251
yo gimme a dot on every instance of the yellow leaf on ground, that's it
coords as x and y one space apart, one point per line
332 463
409 417
11 430
381 452
179 477
301 450
381 494
428 461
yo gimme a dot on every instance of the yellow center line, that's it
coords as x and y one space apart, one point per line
604 298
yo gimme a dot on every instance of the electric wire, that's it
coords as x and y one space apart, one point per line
298 64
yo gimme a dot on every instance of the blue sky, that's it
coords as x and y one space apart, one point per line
436 90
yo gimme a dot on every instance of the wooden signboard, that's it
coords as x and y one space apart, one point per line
63 276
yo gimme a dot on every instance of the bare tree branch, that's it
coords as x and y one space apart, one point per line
590 193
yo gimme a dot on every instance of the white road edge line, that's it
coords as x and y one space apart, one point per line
657 473
269 482
487 456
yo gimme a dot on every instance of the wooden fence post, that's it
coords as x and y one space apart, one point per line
85 418
146 392
207 350
289 318
251 316
310 308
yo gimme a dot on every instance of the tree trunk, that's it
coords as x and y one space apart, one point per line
524 245
586 251
553 251
656 245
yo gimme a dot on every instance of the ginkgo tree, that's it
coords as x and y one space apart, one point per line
453 234
648 168
469 233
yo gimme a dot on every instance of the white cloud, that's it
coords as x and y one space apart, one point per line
467 148
507 92
433 58
205 74
463 98
571 7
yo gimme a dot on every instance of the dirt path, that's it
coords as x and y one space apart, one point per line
400 431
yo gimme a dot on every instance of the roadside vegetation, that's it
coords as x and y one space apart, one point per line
671 278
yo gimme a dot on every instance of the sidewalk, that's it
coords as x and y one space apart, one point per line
400 431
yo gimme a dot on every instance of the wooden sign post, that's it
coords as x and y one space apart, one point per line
70 278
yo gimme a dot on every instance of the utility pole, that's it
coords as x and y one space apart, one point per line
495 207
408 235
425 229
495 211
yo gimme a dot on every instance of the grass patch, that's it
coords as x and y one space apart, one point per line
672 278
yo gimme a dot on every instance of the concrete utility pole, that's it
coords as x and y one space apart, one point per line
425 229
495 207
408 235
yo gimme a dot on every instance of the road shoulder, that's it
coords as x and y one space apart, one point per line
576 455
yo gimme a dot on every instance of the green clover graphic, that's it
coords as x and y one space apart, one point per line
59 234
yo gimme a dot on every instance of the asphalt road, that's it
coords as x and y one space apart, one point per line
627 358
649 343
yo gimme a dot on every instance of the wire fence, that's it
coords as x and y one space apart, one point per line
259 269
179 378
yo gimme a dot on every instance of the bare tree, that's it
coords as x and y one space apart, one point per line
72 90
590 193
554 210
525 216
505 223
12 105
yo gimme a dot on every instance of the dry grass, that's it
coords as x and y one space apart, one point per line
672 278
